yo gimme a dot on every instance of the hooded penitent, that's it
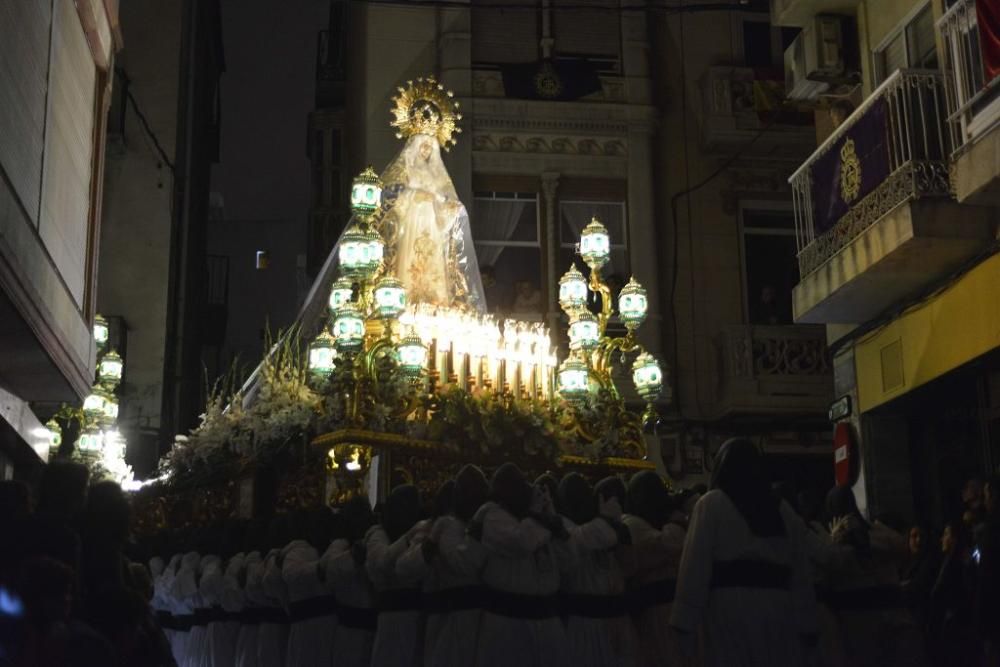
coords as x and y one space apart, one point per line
551 484
511 490
577 498
741 473
471 491
357 517
401 512
648 498
611 487
444 499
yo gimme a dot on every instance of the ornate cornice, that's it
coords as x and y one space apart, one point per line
557 145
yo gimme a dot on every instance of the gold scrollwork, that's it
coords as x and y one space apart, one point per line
850 172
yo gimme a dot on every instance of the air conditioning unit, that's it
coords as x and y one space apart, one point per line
816 58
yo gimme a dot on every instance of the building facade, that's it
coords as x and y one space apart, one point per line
154 278
896 225
55 90
666 125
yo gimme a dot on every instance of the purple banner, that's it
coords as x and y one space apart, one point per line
854 166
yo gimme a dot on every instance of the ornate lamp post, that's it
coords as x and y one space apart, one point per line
592 350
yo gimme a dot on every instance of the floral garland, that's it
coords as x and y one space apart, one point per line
477 425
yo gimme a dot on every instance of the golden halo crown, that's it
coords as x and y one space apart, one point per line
425 107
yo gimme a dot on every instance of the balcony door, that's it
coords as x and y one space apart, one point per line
770 263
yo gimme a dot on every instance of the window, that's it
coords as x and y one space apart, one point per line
589 29
911 46
771 265
504 34
505 229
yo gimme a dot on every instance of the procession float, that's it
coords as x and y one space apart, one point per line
395 372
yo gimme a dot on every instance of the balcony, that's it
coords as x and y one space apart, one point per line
973 107
875 218
800 12
739 103
776 370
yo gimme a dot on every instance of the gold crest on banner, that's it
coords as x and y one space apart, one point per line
850 172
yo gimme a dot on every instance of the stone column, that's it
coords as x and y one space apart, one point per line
454 60
642 223
550 188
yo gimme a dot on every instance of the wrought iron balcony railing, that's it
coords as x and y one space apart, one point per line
894 148
973 101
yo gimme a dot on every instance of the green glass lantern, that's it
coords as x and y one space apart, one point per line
341 293
574 379
353 251
595 244
390 297
93 404
374 251
91 440
633 305
584 331
572 291
348 328
101 331
109 411
412 354
647 376
109 371
55 433
366 193
322 354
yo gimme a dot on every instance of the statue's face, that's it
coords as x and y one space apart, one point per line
425 150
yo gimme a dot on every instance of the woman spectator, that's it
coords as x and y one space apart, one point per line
949 627
876 627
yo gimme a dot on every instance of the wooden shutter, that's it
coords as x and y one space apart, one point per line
24 64
69 143
582 31
505 35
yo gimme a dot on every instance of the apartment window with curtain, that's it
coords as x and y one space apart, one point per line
911 46
505 226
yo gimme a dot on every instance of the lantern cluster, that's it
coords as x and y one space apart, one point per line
360 294
586 331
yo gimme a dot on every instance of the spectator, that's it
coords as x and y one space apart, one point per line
949 613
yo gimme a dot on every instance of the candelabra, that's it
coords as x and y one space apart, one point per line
587 371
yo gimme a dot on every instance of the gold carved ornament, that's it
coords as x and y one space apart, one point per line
425 107
850 172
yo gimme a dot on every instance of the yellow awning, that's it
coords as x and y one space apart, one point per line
931 339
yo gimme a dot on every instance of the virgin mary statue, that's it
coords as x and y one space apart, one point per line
428 241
